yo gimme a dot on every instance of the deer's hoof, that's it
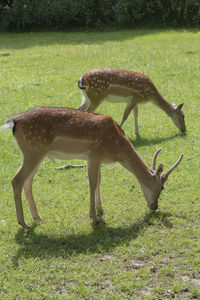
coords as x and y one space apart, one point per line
24 224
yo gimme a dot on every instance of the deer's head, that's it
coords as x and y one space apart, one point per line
178 118
155 187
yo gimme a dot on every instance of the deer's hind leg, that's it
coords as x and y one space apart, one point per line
85 101
26 170
29 196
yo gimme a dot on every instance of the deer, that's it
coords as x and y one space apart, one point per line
66 133
132 87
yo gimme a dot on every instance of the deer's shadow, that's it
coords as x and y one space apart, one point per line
140 141
102 237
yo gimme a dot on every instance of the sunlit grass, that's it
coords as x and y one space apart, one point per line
135 254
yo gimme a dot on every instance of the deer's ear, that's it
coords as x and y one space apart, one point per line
159 169
180 106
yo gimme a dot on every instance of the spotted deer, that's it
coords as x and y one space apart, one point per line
65 133
131 87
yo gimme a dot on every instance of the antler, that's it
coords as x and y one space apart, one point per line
154 159
166 174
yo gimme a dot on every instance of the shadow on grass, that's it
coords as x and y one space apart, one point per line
23 40
101 239
140 141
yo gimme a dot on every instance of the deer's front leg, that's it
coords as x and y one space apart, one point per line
135 113
93 171
97 196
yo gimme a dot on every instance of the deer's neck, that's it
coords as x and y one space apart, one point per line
133 162
163 104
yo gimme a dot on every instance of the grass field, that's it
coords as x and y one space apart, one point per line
136 254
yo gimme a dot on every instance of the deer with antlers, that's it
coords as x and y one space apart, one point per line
131 87
65 133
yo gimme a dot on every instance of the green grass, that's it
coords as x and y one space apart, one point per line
136 254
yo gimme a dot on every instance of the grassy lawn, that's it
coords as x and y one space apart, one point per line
136 254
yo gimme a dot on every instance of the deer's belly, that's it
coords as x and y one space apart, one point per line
67 156
118 93
65 148
117 99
